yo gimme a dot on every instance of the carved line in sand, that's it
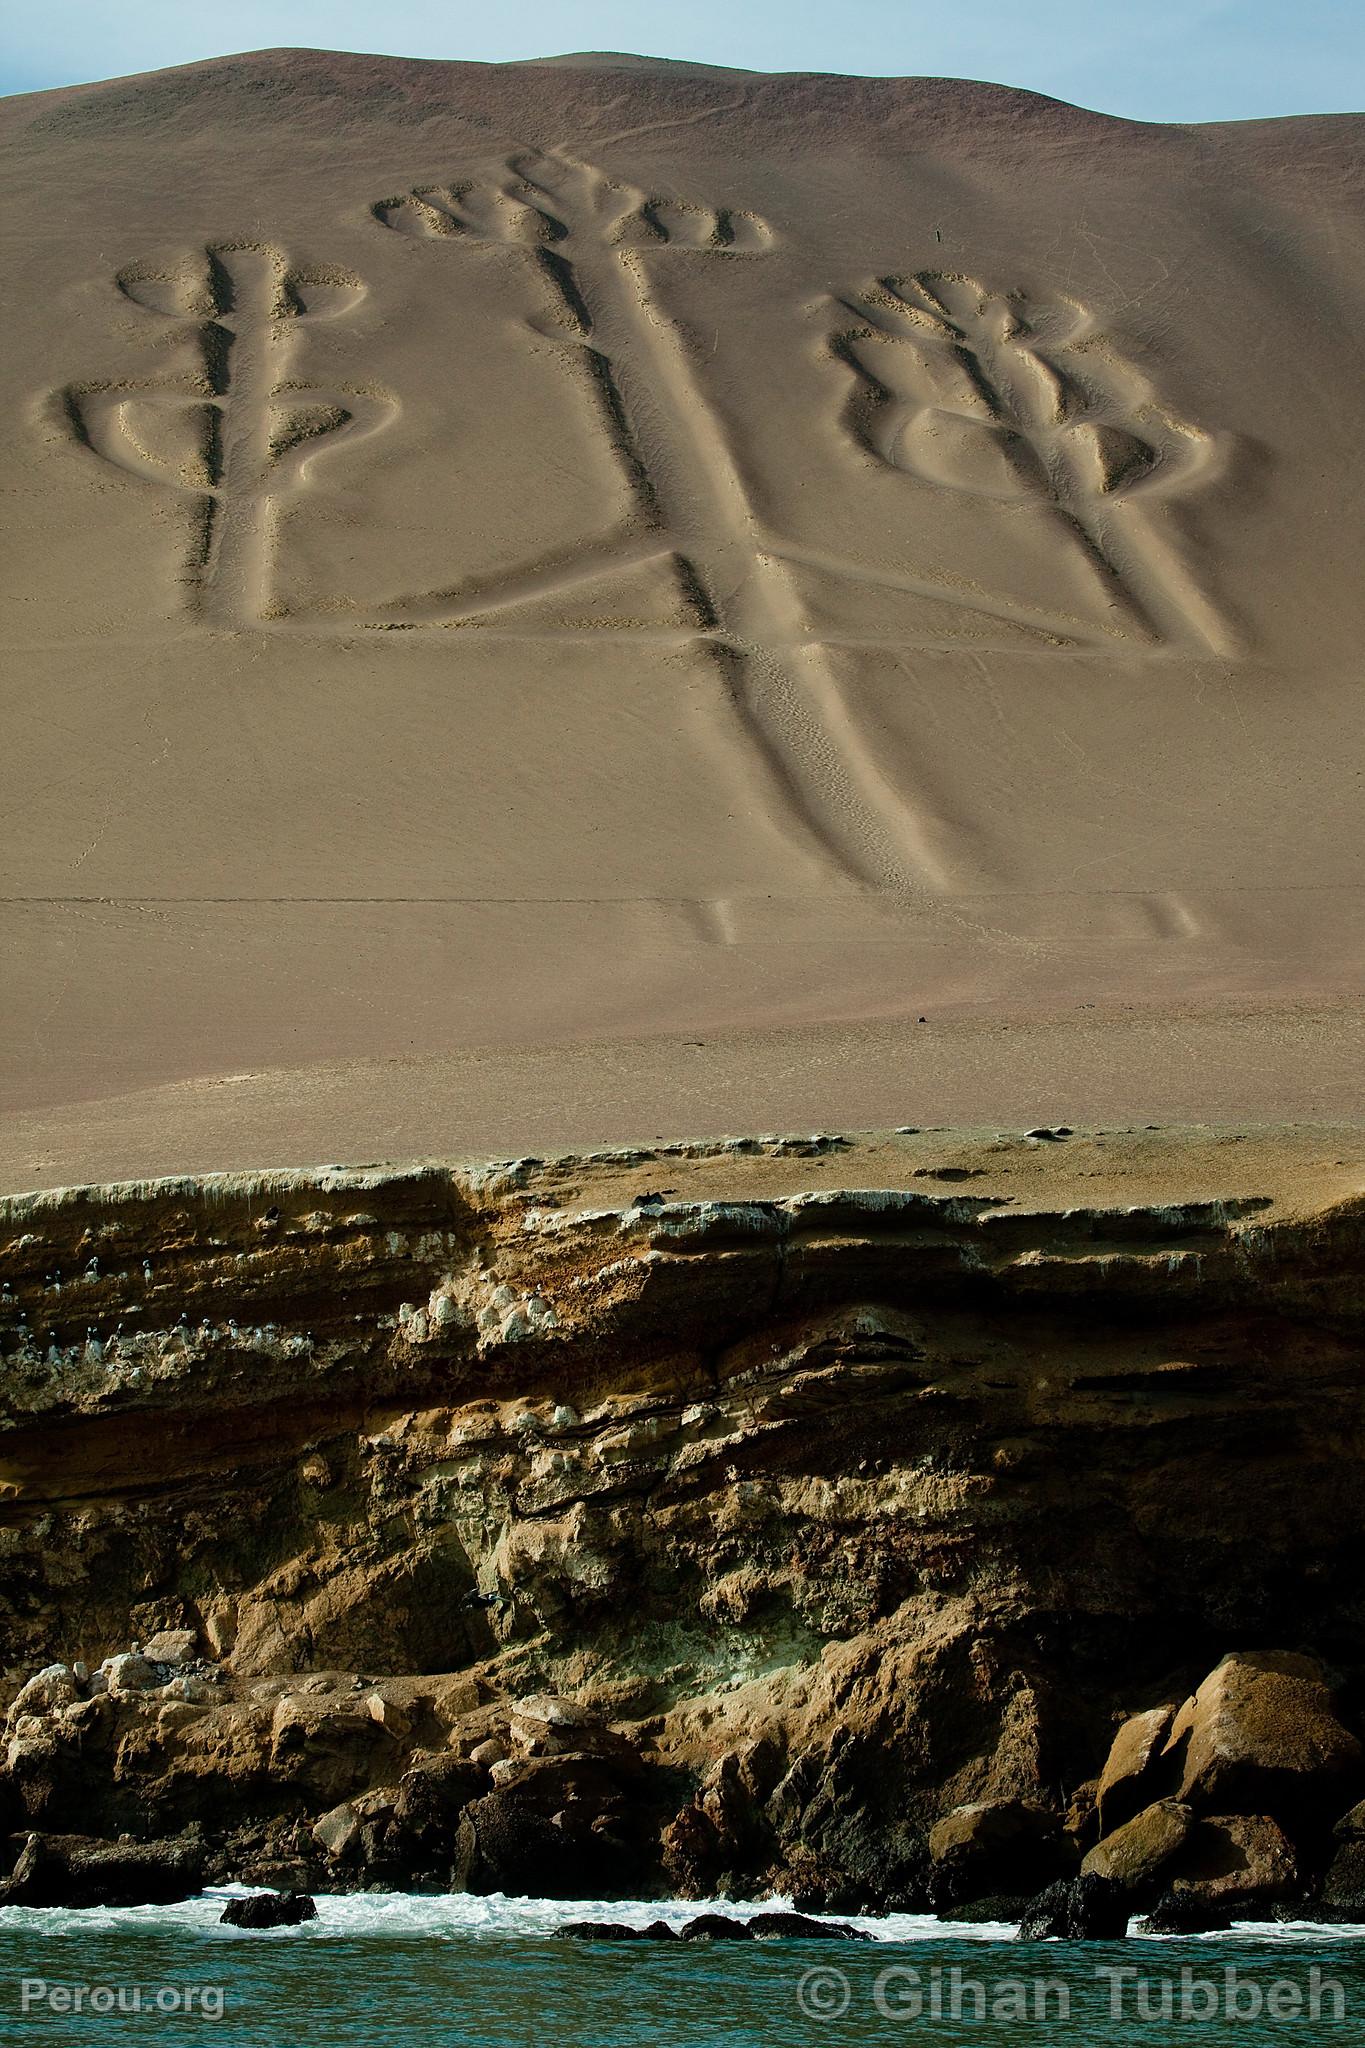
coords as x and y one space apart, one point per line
1024 401
588 237
237 433
966 392
1030 405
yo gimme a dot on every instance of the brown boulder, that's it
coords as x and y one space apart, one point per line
357 1831
1183 1913
541 1724
175 1646
1080 1822
993 1846
130 1671
1261 1736
1351 1826
1343 1887
1234 1859
1125 1786
327 1745
338 1832
1133 1854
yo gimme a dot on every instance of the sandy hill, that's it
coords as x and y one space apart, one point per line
551 603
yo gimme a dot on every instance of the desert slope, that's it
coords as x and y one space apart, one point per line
509 561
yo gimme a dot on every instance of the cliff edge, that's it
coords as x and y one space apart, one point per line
690 1518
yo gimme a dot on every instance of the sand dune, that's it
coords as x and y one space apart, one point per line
512 560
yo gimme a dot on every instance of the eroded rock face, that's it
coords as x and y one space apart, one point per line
566 1826
77 1871
49 1691
495 1529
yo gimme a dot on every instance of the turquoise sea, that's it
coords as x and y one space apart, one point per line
393 1971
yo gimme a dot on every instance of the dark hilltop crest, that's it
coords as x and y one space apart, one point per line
312 86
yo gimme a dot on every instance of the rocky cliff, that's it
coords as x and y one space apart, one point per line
696 1518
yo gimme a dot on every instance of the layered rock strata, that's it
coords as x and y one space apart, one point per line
803 1515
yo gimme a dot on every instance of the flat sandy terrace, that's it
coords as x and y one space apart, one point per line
1186 1074
559 604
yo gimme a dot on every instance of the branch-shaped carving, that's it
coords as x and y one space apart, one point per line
1006 398
547 199
239 433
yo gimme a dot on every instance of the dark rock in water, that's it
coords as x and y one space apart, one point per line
1344 1884
851 1860
715 1927
78 1871
268 1909
1077 1909
1317 1911
800 1927
1182 1913
504 1845
603 1930
982 1912
432 1796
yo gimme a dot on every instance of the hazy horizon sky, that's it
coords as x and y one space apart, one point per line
1167 60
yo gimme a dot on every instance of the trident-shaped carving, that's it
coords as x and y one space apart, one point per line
586 234
253 431
592 239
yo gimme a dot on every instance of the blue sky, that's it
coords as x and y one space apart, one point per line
1156 60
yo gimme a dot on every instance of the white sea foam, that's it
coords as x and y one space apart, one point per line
458 1916
461 1917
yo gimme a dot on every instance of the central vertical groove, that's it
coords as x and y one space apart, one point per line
234 582
789 696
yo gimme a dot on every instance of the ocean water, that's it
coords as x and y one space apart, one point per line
395 1971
